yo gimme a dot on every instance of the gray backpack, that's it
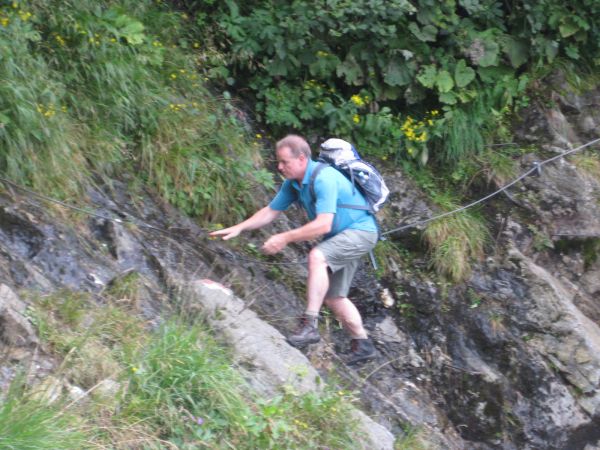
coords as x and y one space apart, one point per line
343 156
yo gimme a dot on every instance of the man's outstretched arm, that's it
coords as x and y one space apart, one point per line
260 218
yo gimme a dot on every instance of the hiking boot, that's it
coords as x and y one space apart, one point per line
360 350
306 333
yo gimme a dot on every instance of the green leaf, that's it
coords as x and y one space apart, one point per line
428 76
516 50
448 98
350 69
551 49
444 81
463 74
572 52
568 27
490 56
426 34
491 75
397 74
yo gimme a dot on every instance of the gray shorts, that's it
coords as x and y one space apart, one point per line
342 253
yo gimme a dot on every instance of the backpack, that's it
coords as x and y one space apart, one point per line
343 156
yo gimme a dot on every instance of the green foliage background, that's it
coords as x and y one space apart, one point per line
407 79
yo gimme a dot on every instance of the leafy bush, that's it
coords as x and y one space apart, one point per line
360 69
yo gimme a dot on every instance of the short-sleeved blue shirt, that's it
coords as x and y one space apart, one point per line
331 189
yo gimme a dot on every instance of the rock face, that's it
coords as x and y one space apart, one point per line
509 359
15 329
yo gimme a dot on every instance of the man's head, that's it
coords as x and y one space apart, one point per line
293 154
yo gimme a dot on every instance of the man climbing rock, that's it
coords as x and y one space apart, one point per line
347 234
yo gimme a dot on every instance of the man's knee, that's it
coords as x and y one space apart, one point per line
316 258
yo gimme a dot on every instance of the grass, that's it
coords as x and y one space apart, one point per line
454 242
414 438
99 90
27 423
588 163
173 387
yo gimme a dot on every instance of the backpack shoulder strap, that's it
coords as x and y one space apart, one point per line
320 166
313 176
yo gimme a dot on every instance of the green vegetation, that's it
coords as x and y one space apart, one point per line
106 89
589 163
174 387
94 91
29 423
414 438
416 80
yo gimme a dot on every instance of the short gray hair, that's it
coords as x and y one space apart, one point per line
297 145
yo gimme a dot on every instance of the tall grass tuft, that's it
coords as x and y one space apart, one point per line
27 423
454 242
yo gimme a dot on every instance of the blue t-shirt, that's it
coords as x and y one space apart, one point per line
331 188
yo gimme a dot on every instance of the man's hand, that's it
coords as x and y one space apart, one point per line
227 233
275 244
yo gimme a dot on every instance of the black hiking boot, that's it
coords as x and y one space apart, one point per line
360 350
306 333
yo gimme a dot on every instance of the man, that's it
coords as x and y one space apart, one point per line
348 235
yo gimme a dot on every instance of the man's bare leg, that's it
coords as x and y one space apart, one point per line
318 281
348 314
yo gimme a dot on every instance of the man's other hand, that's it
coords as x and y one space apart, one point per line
274 244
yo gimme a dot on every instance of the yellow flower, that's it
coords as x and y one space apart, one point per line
356 118
196 45
258 136
357 100
173 76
